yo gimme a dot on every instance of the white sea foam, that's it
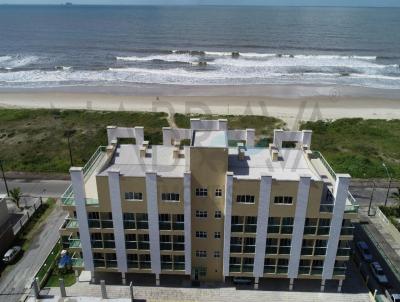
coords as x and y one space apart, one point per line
175 57
223 70
11 62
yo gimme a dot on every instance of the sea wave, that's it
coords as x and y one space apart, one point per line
209 68
178 58
9 62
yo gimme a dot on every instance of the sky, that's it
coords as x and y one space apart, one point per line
379 3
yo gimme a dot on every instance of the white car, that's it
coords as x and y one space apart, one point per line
11 254
378 273
364 250
395 297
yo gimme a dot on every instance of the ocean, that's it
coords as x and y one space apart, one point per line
62 46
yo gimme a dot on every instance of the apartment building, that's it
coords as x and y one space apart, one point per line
212 209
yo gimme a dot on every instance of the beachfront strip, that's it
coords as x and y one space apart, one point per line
209 206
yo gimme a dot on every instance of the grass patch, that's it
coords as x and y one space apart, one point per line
50 262
357 146
53 281
263 125
34 139
33 227
393 214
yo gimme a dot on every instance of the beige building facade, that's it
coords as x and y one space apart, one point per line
217 209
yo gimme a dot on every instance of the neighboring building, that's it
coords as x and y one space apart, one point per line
208 211
6 231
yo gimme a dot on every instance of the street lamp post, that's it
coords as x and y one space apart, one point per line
4 178
371 198
390 182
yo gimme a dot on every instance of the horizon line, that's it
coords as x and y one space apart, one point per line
170 5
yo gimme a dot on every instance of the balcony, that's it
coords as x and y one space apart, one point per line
351 204
89 170
339 271
77 262
74 243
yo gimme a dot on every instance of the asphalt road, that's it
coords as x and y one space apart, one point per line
15 283
35 187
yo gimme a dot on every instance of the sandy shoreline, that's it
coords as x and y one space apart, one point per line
290 109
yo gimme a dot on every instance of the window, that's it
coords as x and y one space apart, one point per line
271 246
284 247
283 199
133 196
166 262
218 214
274 225
145 261
201 234
201 214
245 198
249 245
132 260
129 221
218 192
201 192
201 254
130 241
217 235
217 254
170 197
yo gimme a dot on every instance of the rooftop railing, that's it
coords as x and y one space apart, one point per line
317 154
67 198
351 204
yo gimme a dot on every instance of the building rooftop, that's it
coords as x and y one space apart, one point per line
158 159
210 138
291 165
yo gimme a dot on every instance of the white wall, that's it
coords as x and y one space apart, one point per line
340 192
298 225
262 224
78 188
188 222
152 210
227 221
118 219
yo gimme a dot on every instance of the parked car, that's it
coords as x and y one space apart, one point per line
364 250
395 297
11 254
241 280
378 273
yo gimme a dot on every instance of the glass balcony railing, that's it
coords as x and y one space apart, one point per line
72 224
77 262
179 266
339 271
304 270
67 198
269 269
74 243
234 268
351 204
343 251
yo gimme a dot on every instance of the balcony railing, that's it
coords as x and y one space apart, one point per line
67 198
74 243
351 204
77 262
317 154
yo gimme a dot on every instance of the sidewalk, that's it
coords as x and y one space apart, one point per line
226 294
386 241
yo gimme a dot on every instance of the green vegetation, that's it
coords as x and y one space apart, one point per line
34 225
357 146
36 140
16 195
53 281
49 263
263 125
393 214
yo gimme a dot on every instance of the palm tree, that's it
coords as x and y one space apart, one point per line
16 195
396 196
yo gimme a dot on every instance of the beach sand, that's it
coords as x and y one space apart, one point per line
292 105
